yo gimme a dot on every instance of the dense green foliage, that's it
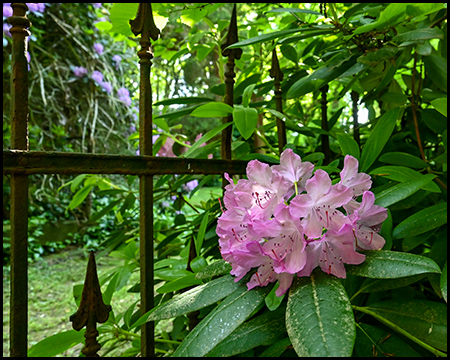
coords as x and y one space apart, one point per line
383 71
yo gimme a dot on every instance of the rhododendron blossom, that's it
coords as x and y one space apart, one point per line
285 221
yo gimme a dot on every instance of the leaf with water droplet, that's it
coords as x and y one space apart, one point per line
319 317
238 306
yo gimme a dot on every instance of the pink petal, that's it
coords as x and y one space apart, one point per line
358 182
285 281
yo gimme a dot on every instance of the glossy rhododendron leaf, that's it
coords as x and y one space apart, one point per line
319 317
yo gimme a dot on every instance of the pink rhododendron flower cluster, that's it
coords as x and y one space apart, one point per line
285 221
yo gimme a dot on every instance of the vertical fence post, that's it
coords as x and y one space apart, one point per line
355 99
19 183
277 75
144 25
325 138
232 54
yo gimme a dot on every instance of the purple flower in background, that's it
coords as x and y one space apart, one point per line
98 48
166 148
79 71
97 76
189 186
7 11
123 92
6 28
124 96
96 5
106 86
117 59
36 7
285 222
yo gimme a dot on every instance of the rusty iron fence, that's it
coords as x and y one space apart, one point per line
19 162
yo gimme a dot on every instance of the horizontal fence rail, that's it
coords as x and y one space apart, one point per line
22 162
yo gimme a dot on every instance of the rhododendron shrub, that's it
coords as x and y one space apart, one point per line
285 220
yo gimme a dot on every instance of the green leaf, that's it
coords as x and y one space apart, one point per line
56 344
201 233
191 300
208 136
276 349
221 322
103 25
179 284
305 35
372 341
120 15
262 330
289 53
335 67
436 69
319 318
386 264
419 34
245 120
171 274
219 267
440 105
422 221
372 58
348 145
394 98
191 16
264 38
202 51
272 300
401 191
294 10
424 320
212 109
391 15
77 181
198 263
374 285
402 174
404 159
184 100
378 138
79 196
247 94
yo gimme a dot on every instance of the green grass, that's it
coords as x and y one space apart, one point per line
50 300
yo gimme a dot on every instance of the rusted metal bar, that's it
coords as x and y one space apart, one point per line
145 26
277 75
325 139
40 162
19 183
232 54
355 99
92 310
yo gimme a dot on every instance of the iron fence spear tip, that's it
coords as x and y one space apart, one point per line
92 309
144 23
232 37
91 303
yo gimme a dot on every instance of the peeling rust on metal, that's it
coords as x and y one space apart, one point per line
19 183
145 25
42 162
